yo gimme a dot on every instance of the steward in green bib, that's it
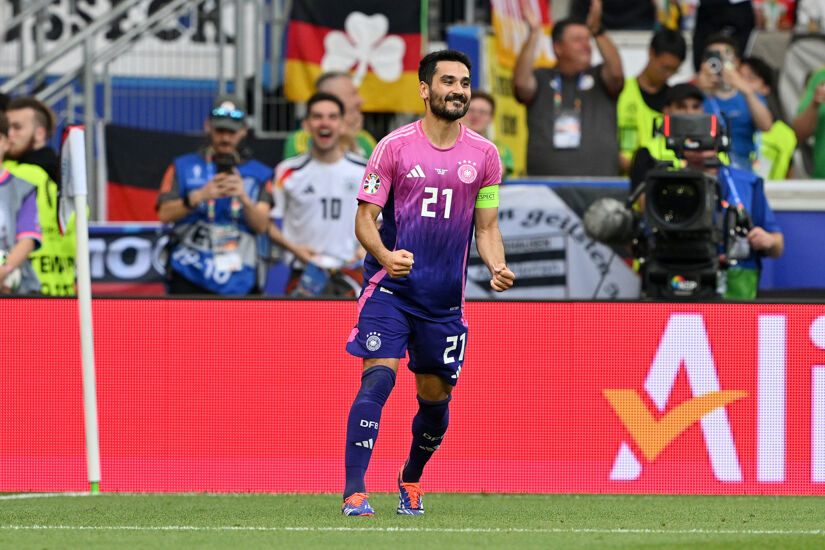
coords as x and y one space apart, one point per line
642 99
31 124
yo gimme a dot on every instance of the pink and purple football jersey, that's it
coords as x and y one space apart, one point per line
428 196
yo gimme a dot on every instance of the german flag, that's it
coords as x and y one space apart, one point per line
376 41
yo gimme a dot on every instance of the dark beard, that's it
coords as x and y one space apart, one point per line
441 110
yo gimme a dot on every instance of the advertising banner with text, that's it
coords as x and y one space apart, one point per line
253 395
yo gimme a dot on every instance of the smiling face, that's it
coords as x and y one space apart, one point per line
324 123
448 97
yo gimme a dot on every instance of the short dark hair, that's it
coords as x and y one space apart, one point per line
761 68
669 41
43 116
4 124
427 66
323 96
723 38
481 94
562 24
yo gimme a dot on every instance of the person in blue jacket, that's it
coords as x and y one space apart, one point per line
218 200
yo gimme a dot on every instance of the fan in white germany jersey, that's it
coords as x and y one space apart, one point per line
315 193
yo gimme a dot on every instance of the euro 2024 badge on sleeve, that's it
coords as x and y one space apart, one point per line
372 183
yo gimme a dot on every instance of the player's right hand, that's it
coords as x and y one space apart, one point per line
399 263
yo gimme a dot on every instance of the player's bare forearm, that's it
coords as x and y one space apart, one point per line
398 263
491 248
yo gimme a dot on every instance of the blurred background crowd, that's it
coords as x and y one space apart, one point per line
220 118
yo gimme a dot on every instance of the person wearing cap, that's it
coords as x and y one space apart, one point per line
739 281
218 200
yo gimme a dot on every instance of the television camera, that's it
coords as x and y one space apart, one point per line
686 232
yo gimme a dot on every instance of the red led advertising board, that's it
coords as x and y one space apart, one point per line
253 395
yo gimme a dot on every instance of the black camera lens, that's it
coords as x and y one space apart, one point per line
676 202
714 60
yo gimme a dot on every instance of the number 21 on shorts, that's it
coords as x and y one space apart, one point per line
452 344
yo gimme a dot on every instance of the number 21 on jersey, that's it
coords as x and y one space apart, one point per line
431 198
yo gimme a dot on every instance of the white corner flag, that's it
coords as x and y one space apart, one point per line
72 200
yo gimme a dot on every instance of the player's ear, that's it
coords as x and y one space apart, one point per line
424 90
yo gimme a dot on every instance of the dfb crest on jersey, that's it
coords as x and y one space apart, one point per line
372 183
467 171
373 341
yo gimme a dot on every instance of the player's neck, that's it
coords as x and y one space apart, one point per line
329 156
441 133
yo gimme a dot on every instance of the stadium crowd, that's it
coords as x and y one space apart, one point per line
583 120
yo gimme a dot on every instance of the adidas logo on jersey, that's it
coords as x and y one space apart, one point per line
368 443
309 190
416 172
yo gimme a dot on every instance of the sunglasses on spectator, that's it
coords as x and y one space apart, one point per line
220 112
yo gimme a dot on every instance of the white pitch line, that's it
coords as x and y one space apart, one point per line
234 528
22 496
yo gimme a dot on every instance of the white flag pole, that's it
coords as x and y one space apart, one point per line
73 186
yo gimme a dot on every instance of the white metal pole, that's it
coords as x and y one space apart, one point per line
84 303
76 186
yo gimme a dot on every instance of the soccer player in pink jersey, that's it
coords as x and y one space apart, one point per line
434 181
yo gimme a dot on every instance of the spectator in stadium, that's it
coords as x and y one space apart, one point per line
479 117
731 98
774 148
643 97
810 120
315 199
31 125
218 199
765 237
19 226
571 108
733 18
353 138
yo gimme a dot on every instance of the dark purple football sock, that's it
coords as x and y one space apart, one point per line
362 425
428 429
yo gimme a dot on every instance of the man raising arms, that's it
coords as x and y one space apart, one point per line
434 181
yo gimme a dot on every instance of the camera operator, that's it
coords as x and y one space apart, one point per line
731 98
763 238
218 199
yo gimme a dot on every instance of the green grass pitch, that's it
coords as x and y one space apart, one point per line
247 521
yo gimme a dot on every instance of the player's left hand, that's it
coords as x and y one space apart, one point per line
759 239
502 279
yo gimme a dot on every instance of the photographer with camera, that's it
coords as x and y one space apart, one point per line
731 98
218 200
